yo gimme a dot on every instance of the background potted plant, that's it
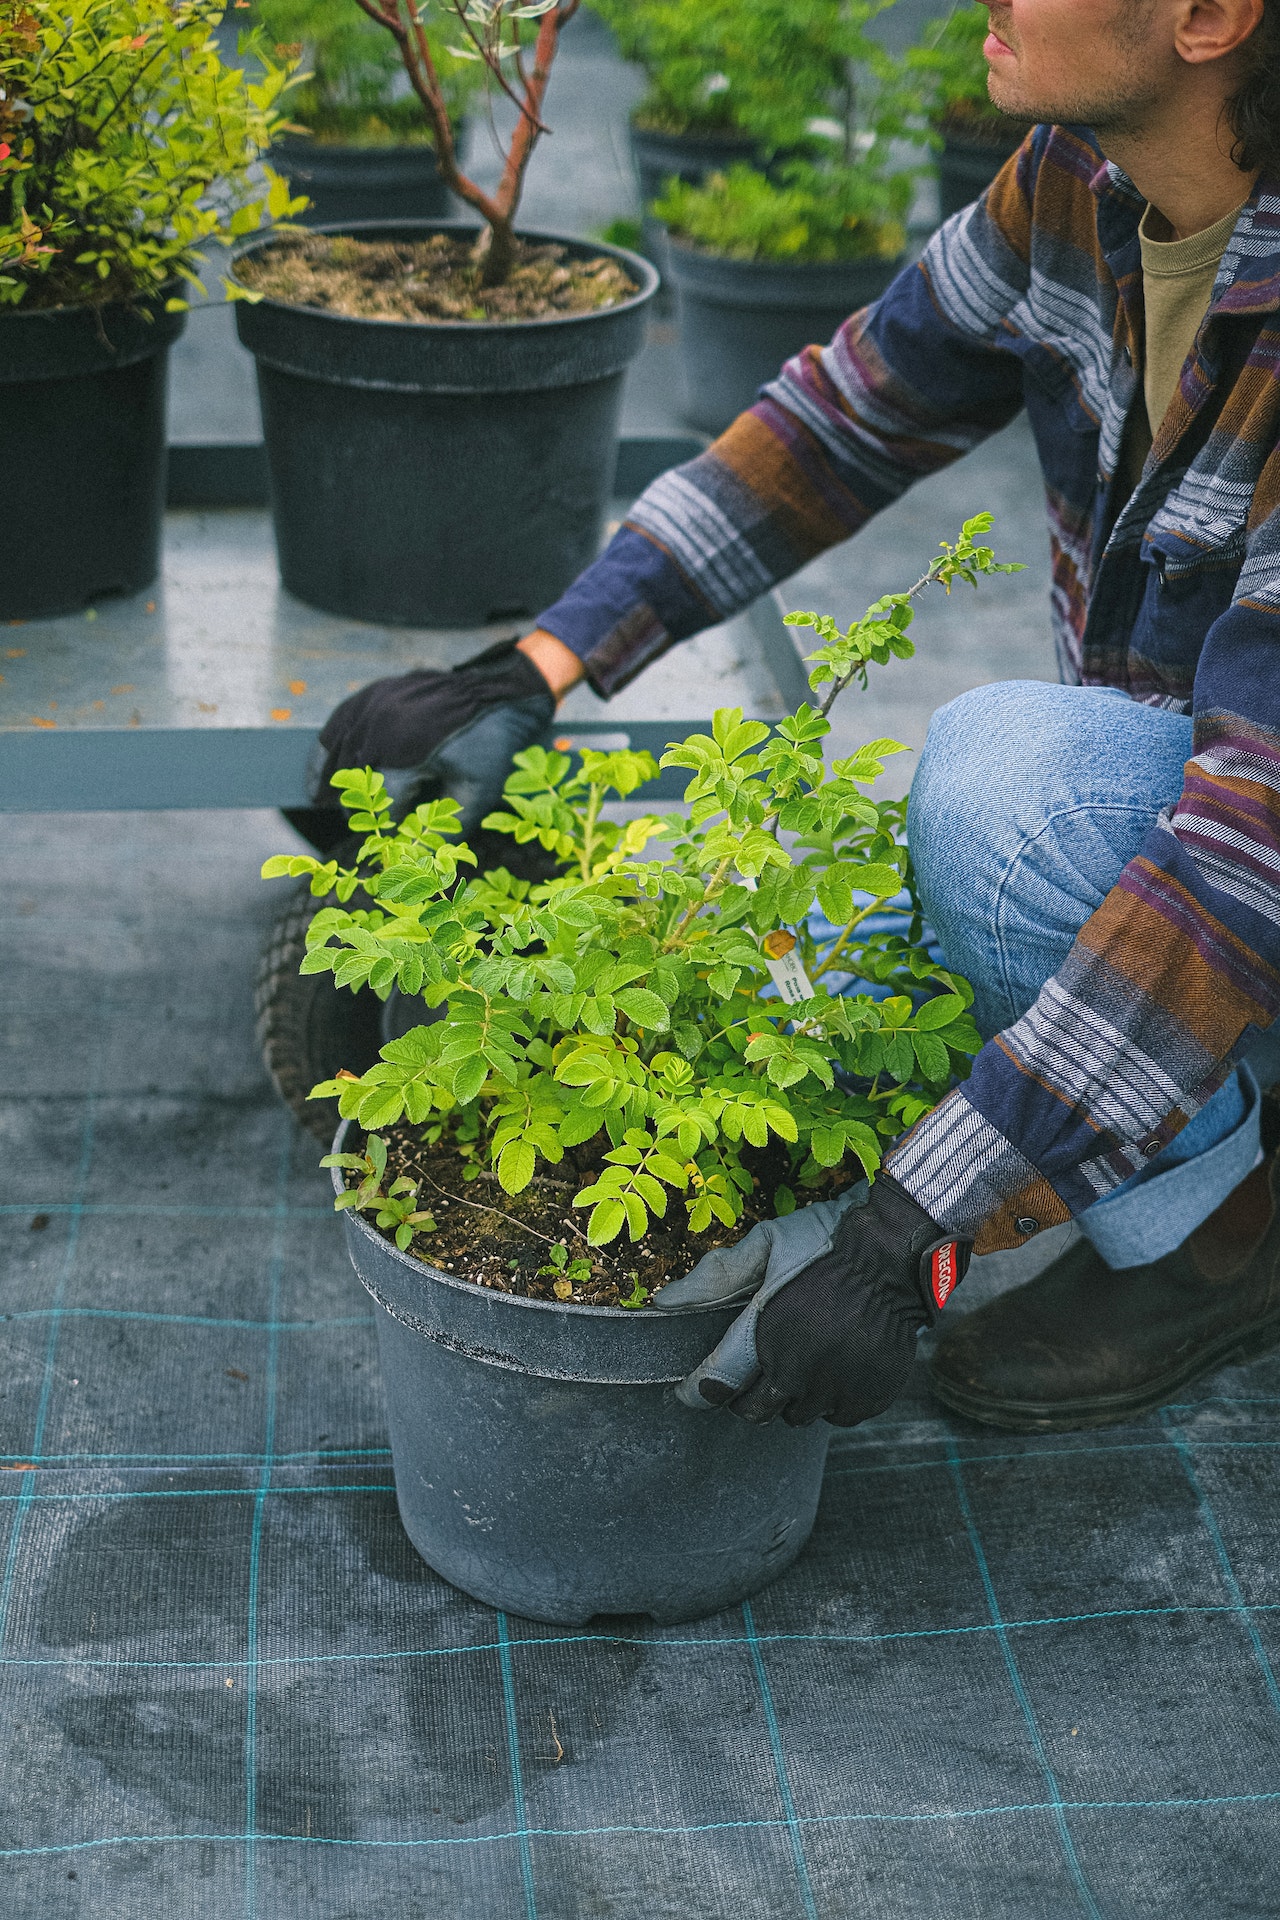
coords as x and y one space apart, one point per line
440 403
646 1045
974 138
736 81
357 144
126 147
762 267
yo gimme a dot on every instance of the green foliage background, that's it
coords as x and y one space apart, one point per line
807 213
353 81
761 67
125 145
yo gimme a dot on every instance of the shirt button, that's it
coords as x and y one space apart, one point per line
1151 1148
1025 1224
1128 357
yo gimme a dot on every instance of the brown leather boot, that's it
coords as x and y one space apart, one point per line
1084 1344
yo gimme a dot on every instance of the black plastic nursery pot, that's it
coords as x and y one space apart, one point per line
741 319
82 444
349 182
543 1463
441 474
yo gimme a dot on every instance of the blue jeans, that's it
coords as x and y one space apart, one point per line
1028 801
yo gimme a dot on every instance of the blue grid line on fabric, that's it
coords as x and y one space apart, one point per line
194 1493
1033 1452
898 1466
43 1464
1223 1400
149 1461
878 1818
191 1319
881 1433
1229 1580
779 1764
275 1269
517 1771
27 1491
1087 1901
128 1210
658 1641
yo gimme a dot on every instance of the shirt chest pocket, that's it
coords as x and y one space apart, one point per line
1184 592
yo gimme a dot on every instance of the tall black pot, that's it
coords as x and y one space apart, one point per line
741 319
441 474
362 182
82 446
543 1463
966 167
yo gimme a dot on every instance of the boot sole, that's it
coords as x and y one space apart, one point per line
1106 1410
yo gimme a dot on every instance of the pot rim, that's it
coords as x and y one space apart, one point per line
132 305
710 137
418 1266
637 266
308 141
859 261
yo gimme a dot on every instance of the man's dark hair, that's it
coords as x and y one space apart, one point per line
1253 111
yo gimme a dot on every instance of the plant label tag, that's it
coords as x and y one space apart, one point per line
785 968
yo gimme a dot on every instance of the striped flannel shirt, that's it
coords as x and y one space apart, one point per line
1033 298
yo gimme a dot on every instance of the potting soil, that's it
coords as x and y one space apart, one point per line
1009 1679
528 1243
433 279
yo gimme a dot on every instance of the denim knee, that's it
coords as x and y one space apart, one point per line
1027 803
951 792
962 792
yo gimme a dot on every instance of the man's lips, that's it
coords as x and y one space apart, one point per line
993 45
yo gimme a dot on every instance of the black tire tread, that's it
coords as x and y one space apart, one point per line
308 1028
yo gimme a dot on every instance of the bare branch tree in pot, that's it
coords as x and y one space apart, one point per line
490 32
440 407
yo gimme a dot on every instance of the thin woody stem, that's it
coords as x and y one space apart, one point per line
838 948
415 55
525 137
493 60
695 906
926 580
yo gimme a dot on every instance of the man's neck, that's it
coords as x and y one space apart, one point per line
1184 172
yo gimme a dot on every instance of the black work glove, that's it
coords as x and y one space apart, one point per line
837 1293
435 733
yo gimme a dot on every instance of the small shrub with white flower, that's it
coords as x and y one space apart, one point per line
656 1021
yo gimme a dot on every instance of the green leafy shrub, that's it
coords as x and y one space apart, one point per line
353 88
659 1009
126 145
766 68
808 213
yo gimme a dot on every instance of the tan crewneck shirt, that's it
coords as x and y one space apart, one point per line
1177 286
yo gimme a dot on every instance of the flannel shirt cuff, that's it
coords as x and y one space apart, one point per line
972 1180
624 610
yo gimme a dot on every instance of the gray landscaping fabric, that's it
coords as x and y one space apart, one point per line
1009 1677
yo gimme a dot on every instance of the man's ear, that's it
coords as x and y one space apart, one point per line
1208 30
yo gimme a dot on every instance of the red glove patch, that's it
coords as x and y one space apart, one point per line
944 1271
